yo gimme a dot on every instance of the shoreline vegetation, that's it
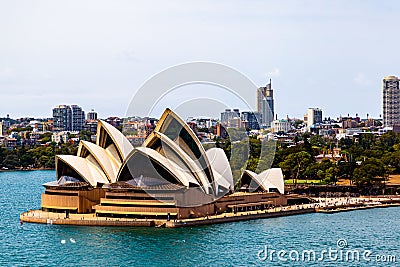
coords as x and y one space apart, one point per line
36 157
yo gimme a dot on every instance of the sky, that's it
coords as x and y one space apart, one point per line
97 54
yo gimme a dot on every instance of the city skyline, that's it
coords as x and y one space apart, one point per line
88 111
323 55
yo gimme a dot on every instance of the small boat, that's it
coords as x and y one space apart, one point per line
161 225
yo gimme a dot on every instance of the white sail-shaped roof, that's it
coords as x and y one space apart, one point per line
86 168
267 180
171 125
96 163
221 168
108 163
111 139
181 176
172 151
274 177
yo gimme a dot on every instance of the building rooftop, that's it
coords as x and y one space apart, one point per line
391 77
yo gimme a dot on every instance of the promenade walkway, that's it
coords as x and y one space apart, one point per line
325 205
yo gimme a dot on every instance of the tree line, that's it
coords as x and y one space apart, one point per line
34 157
365 160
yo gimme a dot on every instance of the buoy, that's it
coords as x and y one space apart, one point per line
63 241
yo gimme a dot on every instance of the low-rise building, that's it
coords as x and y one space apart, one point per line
114 121
10 142
220 131
280 126
91 126
136 140
60 137
334 155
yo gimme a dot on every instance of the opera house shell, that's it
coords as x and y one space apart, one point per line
169 176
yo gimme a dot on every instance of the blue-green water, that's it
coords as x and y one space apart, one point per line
232 244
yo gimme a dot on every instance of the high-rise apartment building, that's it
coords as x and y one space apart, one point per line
91 115
265 104
62 118
391 101
228 115
68 118
251 120
313 116
78 118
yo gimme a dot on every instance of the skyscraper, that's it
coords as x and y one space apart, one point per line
391 101
265 104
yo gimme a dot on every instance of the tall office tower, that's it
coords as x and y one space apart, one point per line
78 118
265 104
92 115
391 101
62 116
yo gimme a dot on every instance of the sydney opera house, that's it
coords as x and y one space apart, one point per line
170 176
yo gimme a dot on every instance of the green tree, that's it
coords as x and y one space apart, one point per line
388 140
331 174
369 171
11 161
312 171
317 140
346 169
297 164
45 138
366 140
392 160
85 135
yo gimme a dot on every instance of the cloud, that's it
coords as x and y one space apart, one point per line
361 79
274 74
7 73
129 55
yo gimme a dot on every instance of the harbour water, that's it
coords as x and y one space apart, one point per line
231 244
